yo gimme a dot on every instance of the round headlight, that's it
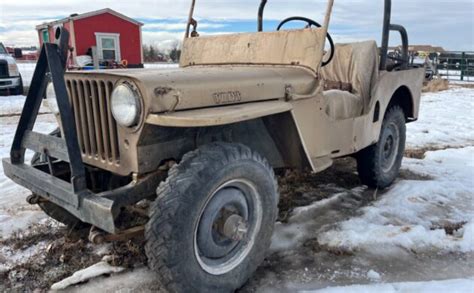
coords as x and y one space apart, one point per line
51 100
126 105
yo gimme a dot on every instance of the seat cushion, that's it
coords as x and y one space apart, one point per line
341 105
356 64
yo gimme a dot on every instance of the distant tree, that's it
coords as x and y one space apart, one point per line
153 55
146 52
175 52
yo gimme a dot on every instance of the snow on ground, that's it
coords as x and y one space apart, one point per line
26 69
12 106
458 285
413 214
15 213
161 65
446 119
94 271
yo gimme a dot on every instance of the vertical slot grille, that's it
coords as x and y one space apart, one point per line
96 128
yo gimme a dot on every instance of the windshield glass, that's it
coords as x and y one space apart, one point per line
2 49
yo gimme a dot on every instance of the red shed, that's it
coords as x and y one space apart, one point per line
116 36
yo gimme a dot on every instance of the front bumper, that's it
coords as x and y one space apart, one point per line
99 210
7 83
86 206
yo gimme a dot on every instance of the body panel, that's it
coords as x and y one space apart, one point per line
219 115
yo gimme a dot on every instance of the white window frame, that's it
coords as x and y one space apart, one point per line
116 37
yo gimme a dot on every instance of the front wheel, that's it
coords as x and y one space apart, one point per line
212 222
379 164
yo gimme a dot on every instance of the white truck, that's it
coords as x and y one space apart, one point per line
10 77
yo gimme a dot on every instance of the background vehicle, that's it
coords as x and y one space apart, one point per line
200 142
10 78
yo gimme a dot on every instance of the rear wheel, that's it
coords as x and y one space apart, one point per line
379 164
212 222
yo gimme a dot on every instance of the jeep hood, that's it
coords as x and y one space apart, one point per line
194 87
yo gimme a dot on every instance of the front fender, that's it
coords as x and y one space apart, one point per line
217 116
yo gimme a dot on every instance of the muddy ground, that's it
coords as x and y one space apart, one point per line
57 252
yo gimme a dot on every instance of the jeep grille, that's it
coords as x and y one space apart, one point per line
96 128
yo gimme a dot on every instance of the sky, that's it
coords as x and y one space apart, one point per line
446 23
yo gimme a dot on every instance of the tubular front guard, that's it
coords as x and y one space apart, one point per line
73 195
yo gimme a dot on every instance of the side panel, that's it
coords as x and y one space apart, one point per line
325 138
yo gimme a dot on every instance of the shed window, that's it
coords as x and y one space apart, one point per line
108 46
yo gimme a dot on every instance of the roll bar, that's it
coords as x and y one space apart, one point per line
387 27
260 15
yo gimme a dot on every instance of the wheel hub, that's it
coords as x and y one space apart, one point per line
223 223
235 228
227 227
389 151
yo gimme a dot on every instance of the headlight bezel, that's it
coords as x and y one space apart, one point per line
138 99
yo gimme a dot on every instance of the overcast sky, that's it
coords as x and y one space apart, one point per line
447 23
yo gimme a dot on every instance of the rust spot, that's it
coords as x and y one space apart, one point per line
161 91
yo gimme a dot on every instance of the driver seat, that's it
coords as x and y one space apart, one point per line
349 79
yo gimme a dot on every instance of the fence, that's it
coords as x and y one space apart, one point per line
457 66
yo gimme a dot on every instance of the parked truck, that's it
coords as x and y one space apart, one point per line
10 77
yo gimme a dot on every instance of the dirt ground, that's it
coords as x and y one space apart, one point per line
63 252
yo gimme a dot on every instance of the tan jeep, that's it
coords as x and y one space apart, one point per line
200 142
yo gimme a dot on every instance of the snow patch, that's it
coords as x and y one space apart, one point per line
446 120
305 222
458 285
374 276
94 271
409 215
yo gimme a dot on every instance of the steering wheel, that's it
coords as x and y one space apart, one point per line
311 23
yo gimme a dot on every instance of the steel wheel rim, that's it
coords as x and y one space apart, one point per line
241 250
390 146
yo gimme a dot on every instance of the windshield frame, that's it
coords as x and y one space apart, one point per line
261 8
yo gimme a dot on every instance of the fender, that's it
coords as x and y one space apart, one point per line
390 82
219 116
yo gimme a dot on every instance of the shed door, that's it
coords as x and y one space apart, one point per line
45 35
108 46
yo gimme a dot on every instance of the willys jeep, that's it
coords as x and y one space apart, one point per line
200 142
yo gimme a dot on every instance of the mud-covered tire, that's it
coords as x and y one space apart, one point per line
172 234
52 210
379 165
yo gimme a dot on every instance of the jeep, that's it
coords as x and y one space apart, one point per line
193 149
